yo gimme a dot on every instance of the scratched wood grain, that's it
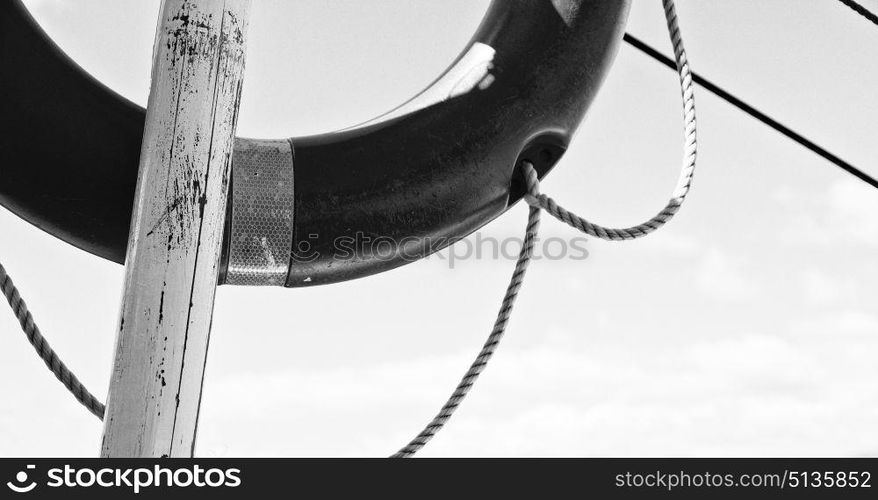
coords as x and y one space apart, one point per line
177 229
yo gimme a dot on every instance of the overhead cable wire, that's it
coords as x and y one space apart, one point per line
755 113
859 9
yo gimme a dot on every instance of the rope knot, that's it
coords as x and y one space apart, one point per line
531 197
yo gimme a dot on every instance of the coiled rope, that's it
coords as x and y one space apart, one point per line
540 202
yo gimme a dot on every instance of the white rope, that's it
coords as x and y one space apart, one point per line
44 350
536 201
539 202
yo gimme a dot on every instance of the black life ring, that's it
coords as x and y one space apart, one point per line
419 177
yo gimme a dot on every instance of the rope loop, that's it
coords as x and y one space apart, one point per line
687 171
539 202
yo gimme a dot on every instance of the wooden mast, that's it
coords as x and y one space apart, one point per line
176 229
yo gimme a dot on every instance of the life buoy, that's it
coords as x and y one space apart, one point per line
325 208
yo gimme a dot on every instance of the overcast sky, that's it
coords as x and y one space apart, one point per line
747 326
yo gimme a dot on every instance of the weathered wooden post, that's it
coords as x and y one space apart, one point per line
176 229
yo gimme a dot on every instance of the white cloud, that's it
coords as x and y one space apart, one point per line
673 243
752 394
842 213
820 288
849 323
853 207
724 277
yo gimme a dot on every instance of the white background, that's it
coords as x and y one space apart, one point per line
748 326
